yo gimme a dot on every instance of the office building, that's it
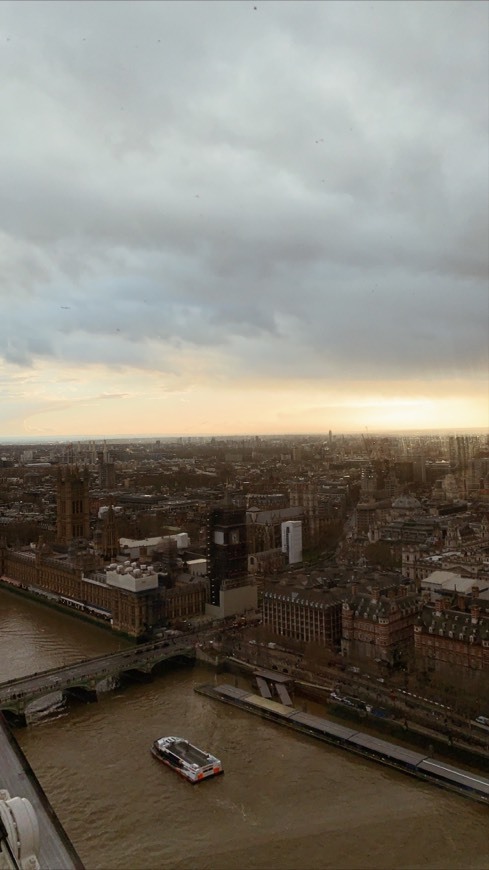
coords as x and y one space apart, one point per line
292 541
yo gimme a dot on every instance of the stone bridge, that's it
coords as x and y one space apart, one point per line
83 680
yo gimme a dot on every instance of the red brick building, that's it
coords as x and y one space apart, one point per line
452 640
380 626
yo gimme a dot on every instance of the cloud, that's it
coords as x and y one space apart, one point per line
300 192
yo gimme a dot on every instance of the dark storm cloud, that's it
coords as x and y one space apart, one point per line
304 186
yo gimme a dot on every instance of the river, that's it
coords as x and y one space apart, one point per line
285 801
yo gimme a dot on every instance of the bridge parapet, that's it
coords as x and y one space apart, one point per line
16 696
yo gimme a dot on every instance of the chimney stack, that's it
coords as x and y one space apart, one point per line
461 601
475 612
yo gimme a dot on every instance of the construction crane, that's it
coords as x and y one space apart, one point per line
367 445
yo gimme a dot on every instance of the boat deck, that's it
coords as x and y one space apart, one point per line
189 753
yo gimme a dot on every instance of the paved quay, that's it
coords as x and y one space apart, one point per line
56 852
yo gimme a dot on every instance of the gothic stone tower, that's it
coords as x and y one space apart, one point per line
109 544
227 547
72 505
306 495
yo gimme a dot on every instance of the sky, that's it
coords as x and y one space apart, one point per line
243 217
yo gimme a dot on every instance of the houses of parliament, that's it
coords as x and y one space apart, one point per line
89 578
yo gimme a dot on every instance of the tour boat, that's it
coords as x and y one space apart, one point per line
191 763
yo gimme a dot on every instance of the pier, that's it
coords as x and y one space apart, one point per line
272 683
417 764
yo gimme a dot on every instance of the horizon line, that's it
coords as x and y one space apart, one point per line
368 433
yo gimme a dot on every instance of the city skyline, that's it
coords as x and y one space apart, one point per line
243 218
134 437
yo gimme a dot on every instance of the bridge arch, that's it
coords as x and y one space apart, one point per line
80 693
83 681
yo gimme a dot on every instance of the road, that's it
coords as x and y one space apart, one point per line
421 714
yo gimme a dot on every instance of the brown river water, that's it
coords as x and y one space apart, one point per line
285 801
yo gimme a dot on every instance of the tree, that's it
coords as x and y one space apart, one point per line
382 554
